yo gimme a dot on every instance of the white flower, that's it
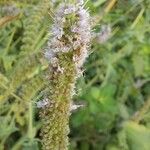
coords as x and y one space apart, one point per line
42 103
54 61
60 69
65 49
81 59
76 44
74 107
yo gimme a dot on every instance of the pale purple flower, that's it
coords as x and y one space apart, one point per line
70 9
49 54
104 34
83 14
76 38
80 2
57 31
74 29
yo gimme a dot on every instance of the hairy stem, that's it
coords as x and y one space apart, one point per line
55 116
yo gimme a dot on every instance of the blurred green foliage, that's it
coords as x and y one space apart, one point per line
115 85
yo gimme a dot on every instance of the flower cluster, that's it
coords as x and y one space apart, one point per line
66 52
70 33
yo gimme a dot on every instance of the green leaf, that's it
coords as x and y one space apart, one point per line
107 100
95 92
138 136
31 145
138 63
98 3
9 125
8 61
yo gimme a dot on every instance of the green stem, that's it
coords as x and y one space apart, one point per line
30 127
138 116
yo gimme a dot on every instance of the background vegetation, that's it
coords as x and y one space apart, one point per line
115 86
